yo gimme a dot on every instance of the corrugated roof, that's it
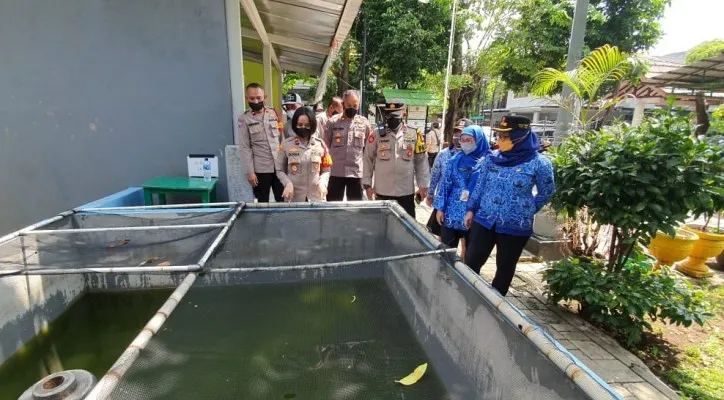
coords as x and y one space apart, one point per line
706 74
303 33
412 97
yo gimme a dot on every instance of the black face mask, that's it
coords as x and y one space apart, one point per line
256 106
394 122
350 112
335 112
303 132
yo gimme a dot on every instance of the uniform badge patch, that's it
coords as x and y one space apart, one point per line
371 139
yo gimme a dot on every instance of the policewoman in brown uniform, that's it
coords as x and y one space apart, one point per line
259 138
303 164
395 157
345 136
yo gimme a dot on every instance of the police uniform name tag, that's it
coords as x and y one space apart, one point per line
464 195
255 127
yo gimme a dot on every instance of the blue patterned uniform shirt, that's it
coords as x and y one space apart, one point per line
503 198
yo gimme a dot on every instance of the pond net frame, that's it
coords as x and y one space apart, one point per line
157 221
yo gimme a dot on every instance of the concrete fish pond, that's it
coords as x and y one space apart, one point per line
233 300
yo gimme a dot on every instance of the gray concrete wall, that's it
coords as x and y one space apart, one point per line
29 304
100 95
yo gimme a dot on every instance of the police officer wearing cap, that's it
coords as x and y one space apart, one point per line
303 164
502 205
259 131
345 135
292 102
394 158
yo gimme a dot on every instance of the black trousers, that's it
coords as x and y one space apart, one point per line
481 241
431 159
268 181
451 237
338 185
432 224
407 202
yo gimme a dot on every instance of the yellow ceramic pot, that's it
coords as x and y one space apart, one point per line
668 250
709 245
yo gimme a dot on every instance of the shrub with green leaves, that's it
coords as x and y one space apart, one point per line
622 301
639 180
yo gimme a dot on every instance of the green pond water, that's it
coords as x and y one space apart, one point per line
90 335
324 340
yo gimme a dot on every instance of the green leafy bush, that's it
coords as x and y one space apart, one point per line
639 180
621 301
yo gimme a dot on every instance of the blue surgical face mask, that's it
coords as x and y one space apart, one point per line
467 148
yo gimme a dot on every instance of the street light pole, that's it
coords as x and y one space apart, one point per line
363 80
449 65
575 51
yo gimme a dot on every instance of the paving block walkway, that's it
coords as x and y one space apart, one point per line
626 373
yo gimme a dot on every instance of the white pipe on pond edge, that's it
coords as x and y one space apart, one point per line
333 264
161 207
107 384
341 205
219 237
103 270
11 236
579 374
123 229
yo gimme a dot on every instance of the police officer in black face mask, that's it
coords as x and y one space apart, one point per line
259 131
345 135
395 159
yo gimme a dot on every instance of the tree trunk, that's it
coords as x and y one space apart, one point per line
343 76
702 117
453 113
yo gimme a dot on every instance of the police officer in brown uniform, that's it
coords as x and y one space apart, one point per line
303 164
259 138
395 157
345 136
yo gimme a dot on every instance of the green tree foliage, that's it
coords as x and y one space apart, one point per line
604 66
705 50
639 180
541 31
405 38
291 78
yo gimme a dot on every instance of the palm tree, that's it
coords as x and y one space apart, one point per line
604 67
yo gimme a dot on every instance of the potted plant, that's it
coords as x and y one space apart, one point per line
670 249
709 203
710 244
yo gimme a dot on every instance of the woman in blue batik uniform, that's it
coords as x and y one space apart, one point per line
438 169
502 205
451 200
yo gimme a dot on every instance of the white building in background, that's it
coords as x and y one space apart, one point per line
543 111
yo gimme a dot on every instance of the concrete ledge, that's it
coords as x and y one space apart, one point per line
545 248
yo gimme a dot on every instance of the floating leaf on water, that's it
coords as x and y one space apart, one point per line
415 376
354 298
